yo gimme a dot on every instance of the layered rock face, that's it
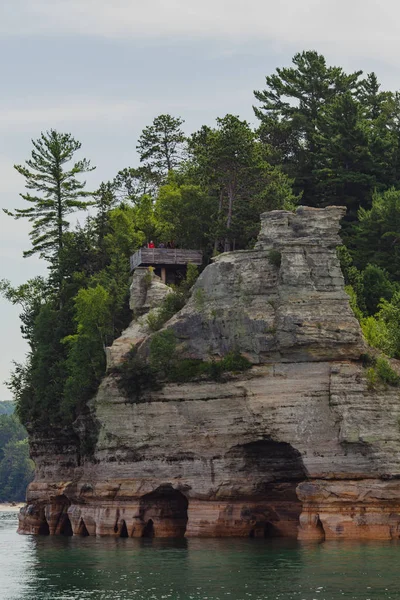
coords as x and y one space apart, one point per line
297 446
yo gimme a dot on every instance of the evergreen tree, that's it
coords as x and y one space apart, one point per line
343 169
377 236
131 184
56 191
232 164
161 145
291 106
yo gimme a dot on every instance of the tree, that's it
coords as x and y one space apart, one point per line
372 100
131 184
30 296
377 236
184 213
376 287
290 108
233 165
161 145
16 471
10 429
56 191
343 169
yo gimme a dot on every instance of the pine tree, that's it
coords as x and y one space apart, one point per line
56 191
344 166
232 164
291 105
161 145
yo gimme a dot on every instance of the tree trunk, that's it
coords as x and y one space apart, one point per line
221 201
231 198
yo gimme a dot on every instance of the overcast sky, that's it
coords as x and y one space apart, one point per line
103 70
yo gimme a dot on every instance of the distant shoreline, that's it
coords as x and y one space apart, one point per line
8 507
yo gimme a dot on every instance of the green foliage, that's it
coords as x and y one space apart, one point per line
136 376
161 144
376 333
10 430
293 107
162 352
376 287
379 371
233 166
16 468
7 407
166 365
275 257
183 212
372 378
185 370
325 137
56 191
353 302
378 234
173 302
192 273
385 372
30 296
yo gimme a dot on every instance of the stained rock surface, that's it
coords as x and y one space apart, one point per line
297 446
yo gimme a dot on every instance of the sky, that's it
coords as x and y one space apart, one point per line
103 70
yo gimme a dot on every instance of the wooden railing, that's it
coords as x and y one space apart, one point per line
165 256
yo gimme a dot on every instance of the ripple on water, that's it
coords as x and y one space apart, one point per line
47 568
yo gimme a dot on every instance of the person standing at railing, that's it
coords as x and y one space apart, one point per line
151 244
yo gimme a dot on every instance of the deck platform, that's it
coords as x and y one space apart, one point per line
164 257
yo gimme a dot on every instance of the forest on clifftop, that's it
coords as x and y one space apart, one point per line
323 137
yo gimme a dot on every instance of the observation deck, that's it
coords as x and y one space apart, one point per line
170 259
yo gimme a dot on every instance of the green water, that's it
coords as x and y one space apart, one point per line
103 569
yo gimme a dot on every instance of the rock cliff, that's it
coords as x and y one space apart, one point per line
296 446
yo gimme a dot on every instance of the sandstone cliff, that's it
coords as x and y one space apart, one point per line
297 446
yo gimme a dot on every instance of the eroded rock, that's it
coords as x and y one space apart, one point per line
297 446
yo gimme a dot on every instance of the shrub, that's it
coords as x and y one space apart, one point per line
372 378
174 301
379 371
234 361
376 333
385 372
189 369
163 351
171 304
135 376
275 258
155 320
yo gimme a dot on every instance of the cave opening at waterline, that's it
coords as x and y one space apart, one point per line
148 530
66 527
82 529
269 472
44 528
123 531
164 513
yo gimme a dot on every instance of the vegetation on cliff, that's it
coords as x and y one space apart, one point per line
16 468
323 137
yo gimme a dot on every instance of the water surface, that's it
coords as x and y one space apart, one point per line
50 568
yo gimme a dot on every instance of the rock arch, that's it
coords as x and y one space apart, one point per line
267 473
82 529
164 513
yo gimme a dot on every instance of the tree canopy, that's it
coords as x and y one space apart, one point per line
323 137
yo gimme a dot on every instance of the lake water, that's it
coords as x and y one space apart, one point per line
46 568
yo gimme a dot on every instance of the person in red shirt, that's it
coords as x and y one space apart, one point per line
151 244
